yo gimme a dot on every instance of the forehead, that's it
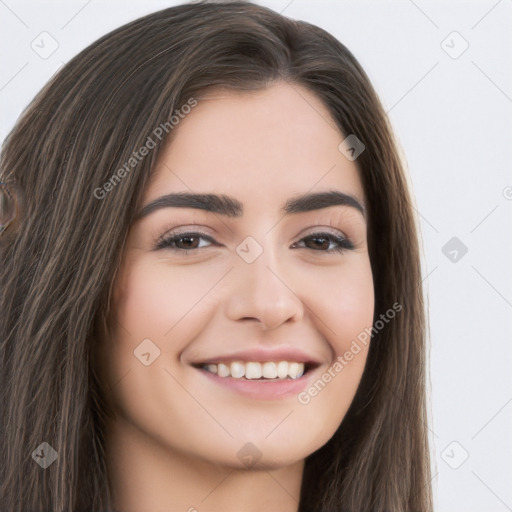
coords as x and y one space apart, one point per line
261 147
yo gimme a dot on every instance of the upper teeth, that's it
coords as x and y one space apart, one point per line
254 370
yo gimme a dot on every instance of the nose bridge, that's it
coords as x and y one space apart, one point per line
261 288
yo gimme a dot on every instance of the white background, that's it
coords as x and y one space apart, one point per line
453 119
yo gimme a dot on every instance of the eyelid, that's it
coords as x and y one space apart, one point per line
194 231
323 229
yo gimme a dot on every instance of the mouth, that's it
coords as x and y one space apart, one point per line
258 370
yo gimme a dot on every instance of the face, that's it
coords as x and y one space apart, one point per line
209 291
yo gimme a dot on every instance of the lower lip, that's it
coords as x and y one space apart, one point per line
263 389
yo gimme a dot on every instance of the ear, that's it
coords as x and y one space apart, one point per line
11 207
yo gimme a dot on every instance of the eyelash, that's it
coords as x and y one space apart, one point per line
166 241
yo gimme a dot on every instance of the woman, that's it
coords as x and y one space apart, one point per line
211 292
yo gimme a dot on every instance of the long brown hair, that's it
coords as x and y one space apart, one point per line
59 258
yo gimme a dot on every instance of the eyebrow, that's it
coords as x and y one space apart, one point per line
233 208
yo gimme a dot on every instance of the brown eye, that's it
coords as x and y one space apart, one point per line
322 241
184 242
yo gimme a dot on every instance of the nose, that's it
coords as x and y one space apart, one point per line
260 292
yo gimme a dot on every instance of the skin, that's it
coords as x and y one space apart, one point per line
174 442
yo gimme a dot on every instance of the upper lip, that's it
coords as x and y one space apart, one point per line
263 355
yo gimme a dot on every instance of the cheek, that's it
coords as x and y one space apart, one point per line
169 307
344 314
151 299
343 302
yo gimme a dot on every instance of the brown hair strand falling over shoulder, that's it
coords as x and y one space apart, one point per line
59 257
